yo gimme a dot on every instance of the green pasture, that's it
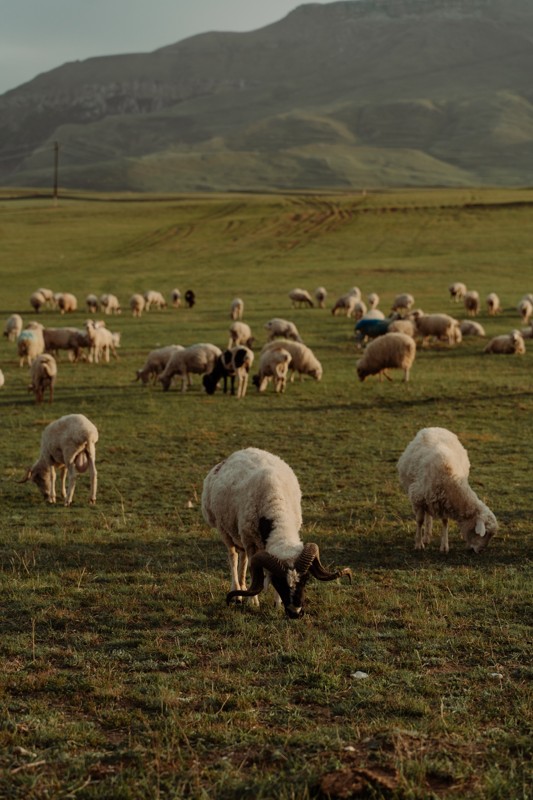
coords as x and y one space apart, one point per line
122 672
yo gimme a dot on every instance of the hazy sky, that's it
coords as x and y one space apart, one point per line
38 35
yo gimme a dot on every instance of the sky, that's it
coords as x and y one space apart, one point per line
39 35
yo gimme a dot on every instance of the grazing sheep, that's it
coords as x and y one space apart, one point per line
372 300
438 326
472 303
406 326
493 304
175 298
403 303
370 328
110 304
48 295
236 308
37 301
102 342
70 339
198 358
13 327
433 470
527 333
470 327
525 309
278 327
303 360
507 344
300 297
43 374
92 303
2 379
156 362
67 303
68 443
359 310
190 298
346 302
273 364
391 351
320 296
137 304
457 291
30 343
240 333
154 299
233 363
253 499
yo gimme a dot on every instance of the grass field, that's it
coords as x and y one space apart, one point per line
123 674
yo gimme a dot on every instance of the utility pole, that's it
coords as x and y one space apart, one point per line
56 172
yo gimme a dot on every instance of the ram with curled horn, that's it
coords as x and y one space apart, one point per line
253 498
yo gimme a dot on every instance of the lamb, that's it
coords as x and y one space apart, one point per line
320 296
300 297
156 362
110 304
278 327
198 358
433 470
190 298
457 291
103 342
68 443
391 351
470 327
30 343
154 299
253 498
175 298
493 304
346 302
37 301
525 309
43 374
13 327
67 303
240 333
507 344
236 308
92 303
303 360
439 326
403 303
137 304
233 363
472 302
273 364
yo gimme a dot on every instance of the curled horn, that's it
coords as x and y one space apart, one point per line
309 561
258 564
26 477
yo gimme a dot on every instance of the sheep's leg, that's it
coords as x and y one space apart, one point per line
71 474
406 373
242 568
52 497
185 378
428 528
233 558
94 478
444 544
419 539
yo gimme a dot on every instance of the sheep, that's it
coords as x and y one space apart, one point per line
67 303
303 360
92 303
253 499
373 300
175 298
320 296
48 296
470 327
391 351
37 301
155 300
346 302
13 327
68 443
525 309
2 379
43 374
278 327
198 358
70 339
359 310
236 308
527 333
370 328
240 333
403 303
233 363
493 304
440 326
457 291
103 342
300 297
406 326
472 302
156 362
433 470
137 304
30 343
507 344
190 298
376 313
110 304
273 364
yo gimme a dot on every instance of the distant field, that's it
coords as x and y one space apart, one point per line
123 674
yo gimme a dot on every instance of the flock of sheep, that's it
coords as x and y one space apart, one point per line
253 498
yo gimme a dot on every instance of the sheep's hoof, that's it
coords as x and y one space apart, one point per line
92 501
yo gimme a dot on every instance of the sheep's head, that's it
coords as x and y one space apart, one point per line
288 579
42 478
478 531
362 372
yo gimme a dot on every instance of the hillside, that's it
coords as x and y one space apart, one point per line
345 95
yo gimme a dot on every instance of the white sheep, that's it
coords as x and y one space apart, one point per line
457 291
2 379
406 326
321 296
43 374
92 303
470 327
433 470
472 302
102 342
390 351
240 333
507 344
37 301
403 303
273 365
48 296
300 297
359 310
153 299
278 327
235 364
525 309
372 300
13 327
175 298
155 363
345 303
374 313
67 303
110 304
68 443
493 304
30 343
527 333
199 359
303 360
137 304
438 326
236 308
253 499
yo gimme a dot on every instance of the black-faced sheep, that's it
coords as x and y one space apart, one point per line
391 351
234 364
190 298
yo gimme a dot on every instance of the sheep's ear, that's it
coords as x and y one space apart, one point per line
480 527
27 476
